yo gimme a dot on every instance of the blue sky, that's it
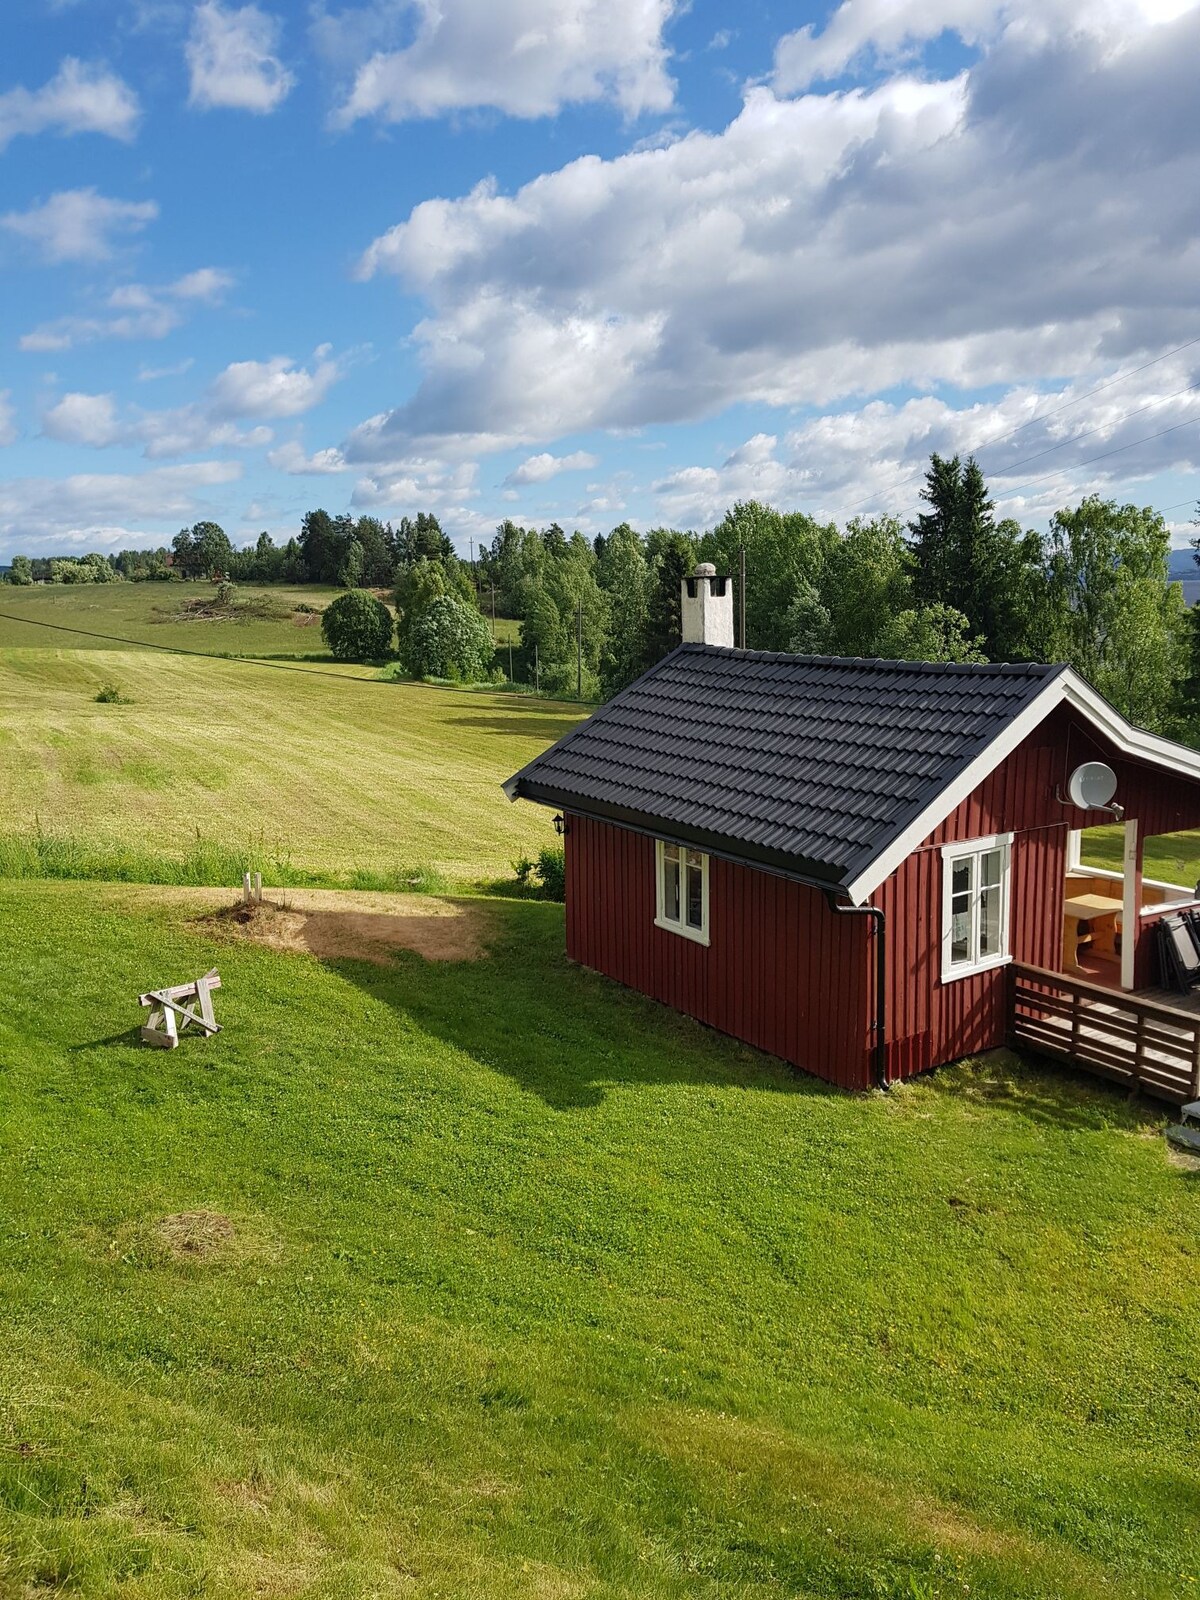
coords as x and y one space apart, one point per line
589 260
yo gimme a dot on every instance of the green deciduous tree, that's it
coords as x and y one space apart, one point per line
782 549
21 571
928 633
212 551
357 627
449 639
1115 615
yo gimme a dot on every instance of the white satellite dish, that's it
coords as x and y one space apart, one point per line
1092 786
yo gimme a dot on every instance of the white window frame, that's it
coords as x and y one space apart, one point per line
661 920
960 850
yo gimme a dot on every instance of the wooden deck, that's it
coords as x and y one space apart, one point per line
1150 1042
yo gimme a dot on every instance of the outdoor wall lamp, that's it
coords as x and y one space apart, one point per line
560 825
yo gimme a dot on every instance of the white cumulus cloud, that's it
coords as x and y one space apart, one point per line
79 224
524 57
133 311
8 418
246 391
231 55
290 458
823 246
208 284
92 511
274 388
541 468
863 33
1039 450
78 99
89 419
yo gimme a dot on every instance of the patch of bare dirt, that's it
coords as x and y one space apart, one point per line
340 926
249 1494
195 1235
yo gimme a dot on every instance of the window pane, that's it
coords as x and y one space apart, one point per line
989 868
989 921
961 881
960 933
671 884
695 890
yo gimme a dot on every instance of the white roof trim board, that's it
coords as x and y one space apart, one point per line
1067 688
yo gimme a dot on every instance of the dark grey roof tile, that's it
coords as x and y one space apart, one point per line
812 763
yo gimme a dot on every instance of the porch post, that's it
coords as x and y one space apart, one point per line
1131 902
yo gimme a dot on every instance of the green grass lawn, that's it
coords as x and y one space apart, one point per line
151 613
1169 857
536 1289
327 774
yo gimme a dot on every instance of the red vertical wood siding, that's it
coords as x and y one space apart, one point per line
931 1022
781 970
785 973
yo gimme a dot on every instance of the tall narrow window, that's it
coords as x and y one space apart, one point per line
682 895
975 903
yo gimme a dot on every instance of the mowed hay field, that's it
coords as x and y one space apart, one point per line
485 1278
325 770
153 614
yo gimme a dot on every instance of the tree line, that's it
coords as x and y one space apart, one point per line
957 583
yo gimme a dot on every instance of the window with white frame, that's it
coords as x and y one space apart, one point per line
975 905
682 900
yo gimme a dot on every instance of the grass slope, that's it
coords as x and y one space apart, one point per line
538 1290
331 774
150 613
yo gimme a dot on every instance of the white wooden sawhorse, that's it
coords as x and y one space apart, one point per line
162 1029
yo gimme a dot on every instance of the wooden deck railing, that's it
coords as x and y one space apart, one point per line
1121 1036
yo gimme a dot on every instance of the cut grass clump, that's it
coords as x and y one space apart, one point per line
206 864
110 695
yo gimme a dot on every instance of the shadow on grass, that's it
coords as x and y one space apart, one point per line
521 721
131 1037
563 1033
1042 1090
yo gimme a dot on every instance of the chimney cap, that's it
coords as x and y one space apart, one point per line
704 569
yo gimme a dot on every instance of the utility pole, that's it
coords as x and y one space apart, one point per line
579 651
742 593
510 671
537 670
494 614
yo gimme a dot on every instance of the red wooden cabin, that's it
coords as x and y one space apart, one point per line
835 860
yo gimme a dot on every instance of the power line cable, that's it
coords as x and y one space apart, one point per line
245 661
1099 428
181 650
1057 472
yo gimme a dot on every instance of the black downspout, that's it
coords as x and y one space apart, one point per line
881 1072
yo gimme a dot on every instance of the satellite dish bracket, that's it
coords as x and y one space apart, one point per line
1115 811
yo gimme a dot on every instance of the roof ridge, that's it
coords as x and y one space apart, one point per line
1031 669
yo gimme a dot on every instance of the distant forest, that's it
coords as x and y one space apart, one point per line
956 584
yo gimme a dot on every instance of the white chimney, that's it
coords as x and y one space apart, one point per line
707 607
